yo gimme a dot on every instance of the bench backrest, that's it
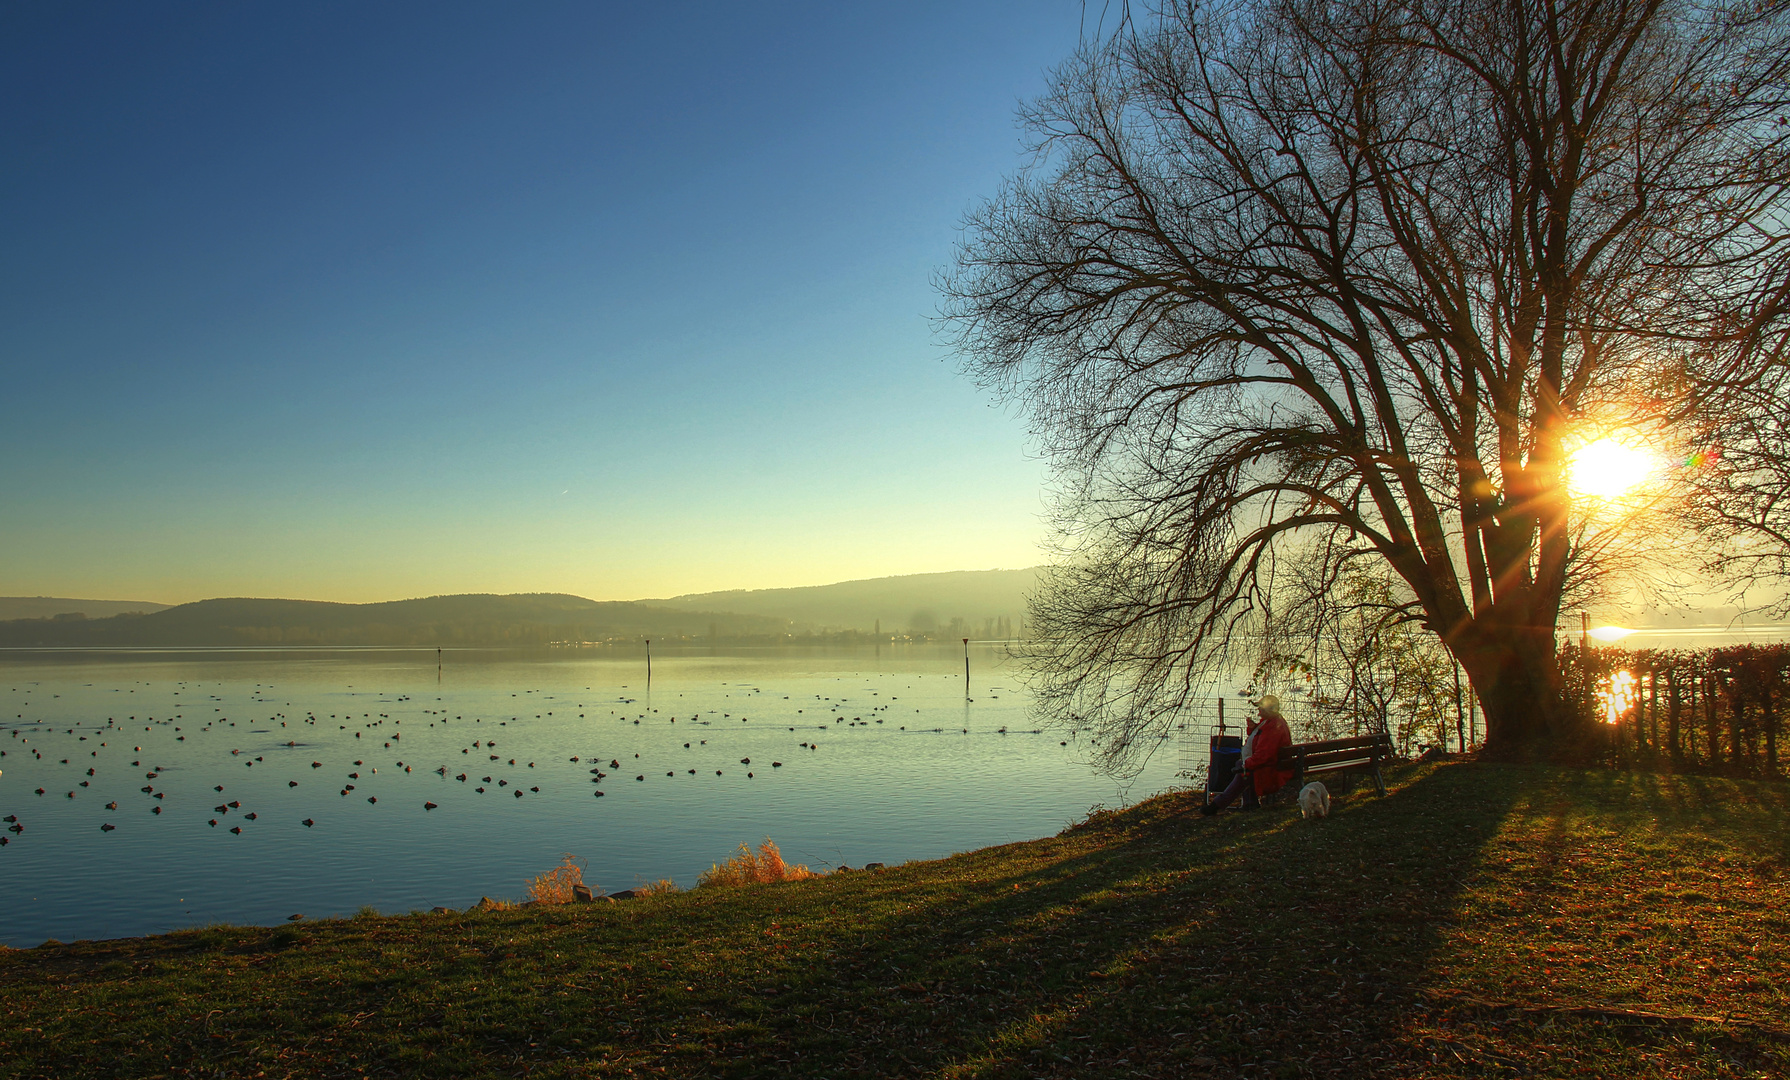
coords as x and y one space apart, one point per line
1364 752
1336 753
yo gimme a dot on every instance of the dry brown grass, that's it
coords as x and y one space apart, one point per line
662 887
762 867
555 886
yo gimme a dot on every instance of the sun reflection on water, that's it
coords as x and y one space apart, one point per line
1617 695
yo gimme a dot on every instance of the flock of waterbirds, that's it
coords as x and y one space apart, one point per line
356 762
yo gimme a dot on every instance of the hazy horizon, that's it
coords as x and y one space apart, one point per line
158 601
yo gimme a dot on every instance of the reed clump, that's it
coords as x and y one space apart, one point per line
555 886
662 887
762 867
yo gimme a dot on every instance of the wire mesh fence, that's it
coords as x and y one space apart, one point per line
1203 719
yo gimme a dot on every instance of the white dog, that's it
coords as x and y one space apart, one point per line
1314 800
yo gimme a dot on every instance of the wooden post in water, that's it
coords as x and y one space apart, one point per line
649 664
966 669
438 665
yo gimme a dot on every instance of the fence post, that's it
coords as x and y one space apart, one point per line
1653 680
1673 704
1712 718
1736 721
1650 713
1770 717
1690 711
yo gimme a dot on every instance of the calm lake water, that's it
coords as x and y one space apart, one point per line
897 765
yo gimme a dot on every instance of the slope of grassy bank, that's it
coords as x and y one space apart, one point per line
1479 921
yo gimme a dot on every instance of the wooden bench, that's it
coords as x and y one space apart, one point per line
1361 754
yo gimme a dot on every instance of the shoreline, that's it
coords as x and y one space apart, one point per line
1524 916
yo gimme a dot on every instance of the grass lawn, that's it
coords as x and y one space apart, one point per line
1480 920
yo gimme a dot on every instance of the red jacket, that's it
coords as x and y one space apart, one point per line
1272 734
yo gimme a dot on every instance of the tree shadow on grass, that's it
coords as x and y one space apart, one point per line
1156 943
1750 811
1613 927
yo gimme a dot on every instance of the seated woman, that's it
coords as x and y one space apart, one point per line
1259 774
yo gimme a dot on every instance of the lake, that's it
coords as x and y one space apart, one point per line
248 786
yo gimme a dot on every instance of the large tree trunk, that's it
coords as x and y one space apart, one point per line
1517 675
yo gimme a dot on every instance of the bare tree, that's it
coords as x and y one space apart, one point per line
1290 279
1351 643
1741 475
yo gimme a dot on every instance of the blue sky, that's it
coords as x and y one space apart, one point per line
354 301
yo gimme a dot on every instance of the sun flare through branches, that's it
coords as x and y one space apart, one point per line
1609 468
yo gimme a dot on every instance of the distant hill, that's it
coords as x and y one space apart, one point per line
46 607
470 620
978 604
917 602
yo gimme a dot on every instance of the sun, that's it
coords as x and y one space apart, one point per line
1609 468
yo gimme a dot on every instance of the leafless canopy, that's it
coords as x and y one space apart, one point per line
1742 493
1329 281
